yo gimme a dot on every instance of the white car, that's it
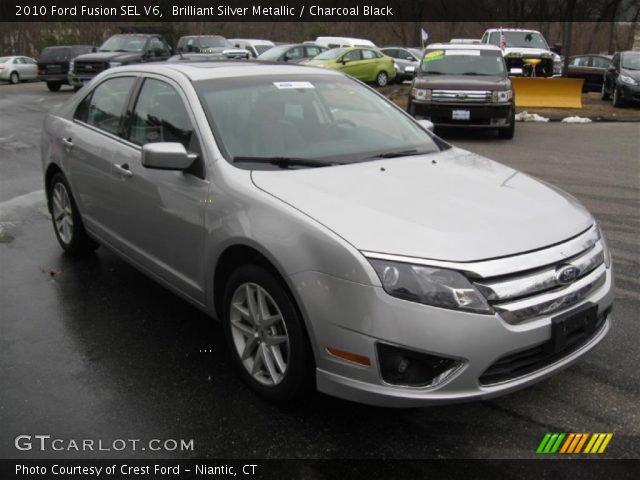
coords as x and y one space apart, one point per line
253 46
17 69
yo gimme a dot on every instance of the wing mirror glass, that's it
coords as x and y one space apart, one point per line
167 156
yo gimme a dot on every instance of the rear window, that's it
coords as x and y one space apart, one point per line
55 54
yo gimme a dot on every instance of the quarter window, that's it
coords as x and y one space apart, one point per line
103 108
160 116
368 54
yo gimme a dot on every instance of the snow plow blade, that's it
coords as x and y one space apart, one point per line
548 92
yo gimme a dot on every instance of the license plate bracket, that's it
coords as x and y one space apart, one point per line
572 327
460 115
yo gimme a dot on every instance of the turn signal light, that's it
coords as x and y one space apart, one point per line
352 357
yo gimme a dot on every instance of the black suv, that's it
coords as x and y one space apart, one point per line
460 85
53 64
121 49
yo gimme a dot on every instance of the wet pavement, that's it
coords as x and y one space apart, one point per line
92 349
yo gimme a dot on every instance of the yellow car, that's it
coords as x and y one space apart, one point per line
366 64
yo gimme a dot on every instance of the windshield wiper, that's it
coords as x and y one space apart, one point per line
286 162
479 74
401 153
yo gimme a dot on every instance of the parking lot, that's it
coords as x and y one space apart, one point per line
91 348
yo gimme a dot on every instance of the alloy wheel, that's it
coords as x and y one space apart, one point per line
259 334
62 213
382 79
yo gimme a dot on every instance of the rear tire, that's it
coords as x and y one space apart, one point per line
54 86
382 79
604 95
266 338
67 223
14 78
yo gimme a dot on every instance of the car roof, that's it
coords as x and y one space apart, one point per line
197 71
512 30
255 41
463 46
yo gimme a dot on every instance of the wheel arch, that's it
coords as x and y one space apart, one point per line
52 169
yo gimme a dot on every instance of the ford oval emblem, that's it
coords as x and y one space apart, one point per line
566 274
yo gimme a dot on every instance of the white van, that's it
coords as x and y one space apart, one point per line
338 42
254 47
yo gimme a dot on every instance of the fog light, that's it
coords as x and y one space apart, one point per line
399 366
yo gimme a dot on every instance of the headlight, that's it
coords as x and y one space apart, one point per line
114 64
72 64
605 247
502 95
432 286
627 79
421 93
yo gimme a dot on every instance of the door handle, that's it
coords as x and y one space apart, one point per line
67 142
123 170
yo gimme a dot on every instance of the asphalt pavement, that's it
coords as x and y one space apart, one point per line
92 349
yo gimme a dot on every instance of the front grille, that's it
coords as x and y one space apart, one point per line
540 291
536 358
461 96
89 68
543 69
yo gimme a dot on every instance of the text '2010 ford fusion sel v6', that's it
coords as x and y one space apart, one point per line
339 242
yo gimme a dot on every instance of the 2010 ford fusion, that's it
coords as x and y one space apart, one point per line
340 243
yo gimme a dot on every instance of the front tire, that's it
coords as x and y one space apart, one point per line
616 100
382 79
67 223
54 86
14 78
265 335
604 95
508 132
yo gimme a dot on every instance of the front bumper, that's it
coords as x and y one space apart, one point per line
354 318
79 80
481 115
53 77
629 93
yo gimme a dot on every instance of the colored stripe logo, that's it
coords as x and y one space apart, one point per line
573 443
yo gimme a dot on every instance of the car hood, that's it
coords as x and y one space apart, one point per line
108 56
451 206
635 74
462 82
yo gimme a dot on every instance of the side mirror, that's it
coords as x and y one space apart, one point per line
94 49
343 60
557 48
611 68
426 124
516 71
166 156
411 59
285 58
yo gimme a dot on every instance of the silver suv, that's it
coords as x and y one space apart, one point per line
340 243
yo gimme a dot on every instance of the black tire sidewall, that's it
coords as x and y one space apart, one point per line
299 373
80 242
54 86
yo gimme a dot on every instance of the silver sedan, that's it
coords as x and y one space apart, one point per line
17 69
341 244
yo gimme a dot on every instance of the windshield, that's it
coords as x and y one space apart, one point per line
262 48
463 62
213 42
330 54
124 43
631 61
55 54
274 52
314 117
520 40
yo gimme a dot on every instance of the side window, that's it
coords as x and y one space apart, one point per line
160 116
157 48
600 62
104 107
352 56
575 62
368 54
313 51
295 53
18 61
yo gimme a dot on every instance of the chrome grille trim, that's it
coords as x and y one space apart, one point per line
506 265
549 302
537 281
461 96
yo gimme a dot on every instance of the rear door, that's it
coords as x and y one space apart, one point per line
371 64
161 220
90 142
